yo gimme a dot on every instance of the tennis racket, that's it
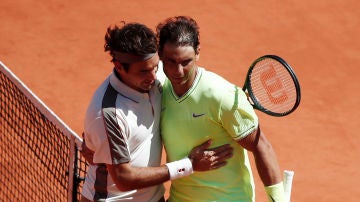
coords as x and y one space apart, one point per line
288 178
272 86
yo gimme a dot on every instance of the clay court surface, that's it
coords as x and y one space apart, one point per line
56 48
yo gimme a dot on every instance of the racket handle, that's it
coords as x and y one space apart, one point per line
288 178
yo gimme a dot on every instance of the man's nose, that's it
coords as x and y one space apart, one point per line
179 69
152 75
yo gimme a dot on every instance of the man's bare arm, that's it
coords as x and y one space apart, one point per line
265 157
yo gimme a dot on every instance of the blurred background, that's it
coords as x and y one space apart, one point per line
56 49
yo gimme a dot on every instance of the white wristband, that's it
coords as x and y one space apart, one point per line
180 168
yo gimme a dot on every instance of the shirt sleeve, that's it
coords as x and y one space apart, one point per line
236 113
107 139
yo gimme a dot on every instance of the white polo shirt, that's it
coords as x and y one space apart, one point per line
122 125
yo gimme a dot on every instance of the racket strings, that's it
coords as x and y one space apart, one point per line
273 86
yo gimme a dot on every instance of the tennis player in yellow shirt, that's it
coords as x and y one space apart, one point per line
198 105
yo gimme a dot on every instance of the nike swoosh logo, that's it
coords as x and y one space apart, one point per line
198 115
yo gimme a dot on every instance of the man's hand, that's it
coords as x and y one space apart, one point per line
204 159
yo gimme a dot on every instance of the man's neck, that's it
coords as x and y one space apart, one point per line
181 90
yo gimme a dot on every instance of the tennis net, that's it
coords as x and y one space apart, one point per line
39 155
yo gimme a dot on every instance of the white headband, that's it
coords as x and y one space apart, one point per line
129 58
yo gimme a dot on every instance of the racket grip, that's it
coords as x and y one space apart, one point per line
288 178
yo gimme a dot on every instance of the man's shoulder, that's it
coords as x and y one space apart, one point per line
213 80
160 75
210 74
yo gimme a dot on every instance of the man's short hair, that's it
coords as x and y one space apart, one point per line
130 39
179 30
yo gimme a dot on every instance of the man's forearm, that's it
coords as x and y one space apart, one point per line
131 178
267 166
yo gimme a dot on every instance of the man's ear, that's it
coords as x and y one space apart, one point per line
197 56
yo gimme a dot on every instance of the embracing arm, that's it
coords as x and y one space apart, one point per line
127 177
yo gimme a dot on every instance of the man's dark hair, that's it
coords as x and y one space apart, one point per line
133 38
180 31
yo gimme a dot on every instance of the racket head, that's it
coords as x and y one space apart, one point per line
272 86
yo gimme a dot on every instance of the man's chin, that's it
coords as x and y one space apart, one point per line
179 81
147 88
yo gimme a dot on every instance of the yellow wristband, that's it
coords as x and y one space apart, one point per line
275 192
